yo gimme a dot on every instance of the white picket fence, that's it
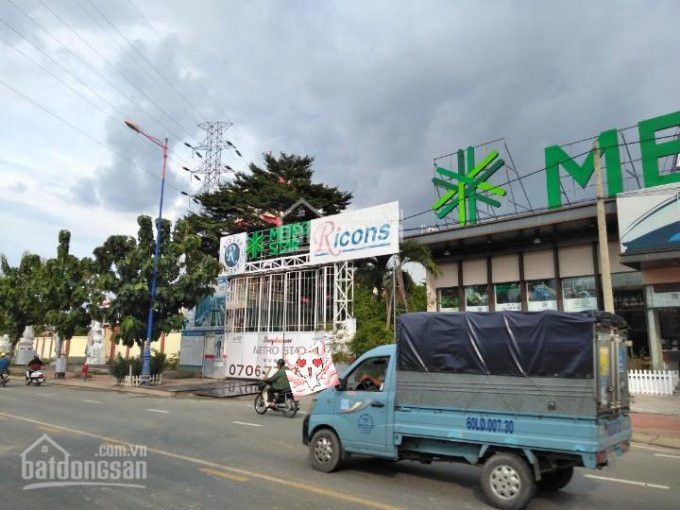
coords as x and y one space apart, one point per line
133 380
652 382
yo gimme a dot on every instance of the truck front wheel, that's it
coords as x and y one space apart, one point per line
555 480
508 482
324 450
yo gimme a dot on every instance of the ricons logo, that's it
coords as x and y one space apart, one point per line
331 239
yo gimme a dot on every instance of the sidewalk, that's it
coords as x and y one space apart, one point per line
656 420
104 382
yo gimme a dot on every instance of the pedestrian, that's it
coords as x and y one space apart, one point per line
85 371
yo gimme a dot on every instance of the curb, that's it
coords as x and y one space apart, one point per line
656 439
130 390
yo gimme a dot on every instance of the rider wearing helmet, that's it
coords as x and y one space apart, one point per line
279 381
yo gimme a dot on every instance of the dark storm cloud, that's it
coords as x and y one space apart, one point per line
376 90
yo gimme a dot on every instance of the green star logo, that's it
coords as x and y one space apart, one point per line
461 187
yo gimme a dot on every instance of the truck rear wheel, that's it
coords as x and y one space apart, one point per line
508 481
555 480
325 451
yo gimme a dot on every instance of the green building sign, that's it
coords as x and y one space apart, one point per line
277 241
465 187
650 150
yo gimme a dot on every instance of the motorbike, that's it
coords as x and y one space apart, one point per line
35 378
283 402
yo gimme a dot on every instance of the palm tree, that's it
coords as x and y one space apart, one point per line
409 251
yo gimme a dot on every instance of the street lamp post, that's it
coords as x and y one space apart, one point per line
146 357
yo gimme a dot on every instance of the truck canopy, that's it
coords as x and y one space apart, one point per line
534 344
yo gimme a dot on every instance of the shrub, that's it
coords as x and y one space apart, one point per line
119 367
158 362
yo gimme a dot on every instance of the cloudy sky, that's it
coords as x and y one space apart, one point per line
374 90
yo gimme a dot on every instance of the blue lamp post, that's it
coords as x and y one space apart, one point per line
146 357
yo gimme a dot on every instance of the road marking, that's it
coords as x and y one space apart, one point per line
44 394
650 448
158 411
50 430
223 474
246 423
92 401
629 482
302 486
666 455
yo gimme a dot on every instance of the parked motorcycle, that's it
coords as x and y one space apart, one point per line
283 402
35 378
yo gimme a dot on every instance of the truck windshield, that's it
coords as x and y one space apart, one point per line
369 375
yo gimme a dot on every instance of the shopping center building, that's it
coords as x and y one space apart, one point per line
550 258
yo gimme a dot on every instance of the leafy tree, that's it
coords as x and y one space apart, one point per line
240 204
66 297
22 295
124 266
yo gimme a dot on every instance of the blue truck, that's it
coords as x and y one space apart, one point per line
528 396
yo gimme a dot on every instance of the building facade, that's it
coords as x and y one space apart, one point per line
550 260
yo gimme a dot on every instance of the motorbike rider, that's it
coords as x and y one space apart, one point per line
33 365
278 382
4 364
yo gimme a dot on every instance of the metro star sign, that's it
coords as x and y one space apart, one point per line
461 187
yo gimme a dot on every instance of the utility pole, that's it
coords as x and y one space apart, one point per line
607 292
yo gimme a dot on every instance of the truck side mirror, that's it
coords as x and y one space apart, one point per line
341 385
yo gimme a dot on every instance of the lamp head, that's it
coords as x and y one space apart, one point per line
133 125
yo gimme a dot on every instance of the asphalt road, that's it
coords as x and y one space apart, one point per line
217 453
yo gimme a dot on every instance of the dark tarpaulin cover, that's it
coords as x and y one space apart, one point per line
549 344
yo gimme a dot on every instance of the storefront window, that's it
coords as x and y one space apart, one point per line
508 296
579 293
476 298
542 295
448 299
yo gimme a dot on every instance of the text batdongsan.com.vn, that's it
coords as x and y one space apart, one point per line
47 464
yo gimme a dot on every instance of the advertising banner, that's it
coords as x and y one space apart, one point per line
308 362
233 254
357 234
214 355
649 220
542 295
579 294
508 297
191 347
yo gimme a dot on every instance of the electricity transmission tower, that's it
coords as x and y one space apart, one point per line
210 152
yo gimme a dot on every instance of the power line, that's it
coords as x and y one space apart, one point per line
58 78
172 86
108 62
167 46
81 131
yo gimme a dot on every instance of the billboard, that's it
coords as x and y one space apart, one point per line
309 366
350 235
356 234
649 220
